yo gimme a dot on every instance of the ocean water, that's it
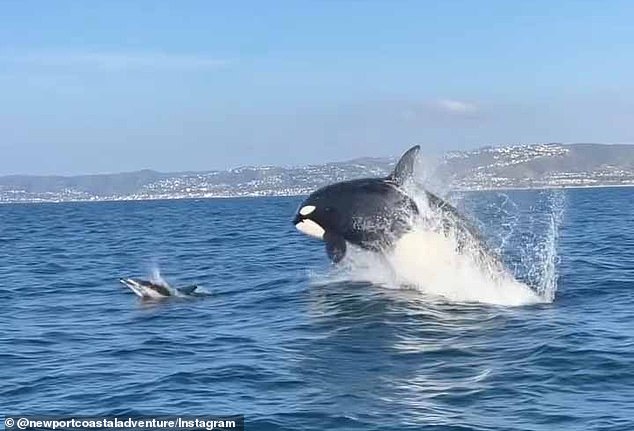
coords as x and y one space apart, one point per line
294 344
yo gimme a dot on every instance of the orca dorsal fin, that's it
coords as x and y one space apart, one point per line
405 166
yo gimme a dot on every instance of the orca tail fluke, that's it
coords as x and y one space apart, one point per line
405 167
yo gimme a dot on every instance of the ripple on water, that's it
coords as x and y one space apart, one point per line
292 344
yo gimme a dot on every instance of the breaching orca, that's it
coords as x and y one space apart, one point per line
370 212
150 290
373 213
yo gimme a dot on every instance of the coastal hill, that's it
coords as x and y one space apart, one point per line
521 166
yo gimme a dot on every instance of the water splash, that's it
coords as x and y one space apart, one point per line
539 255
445 264
155 276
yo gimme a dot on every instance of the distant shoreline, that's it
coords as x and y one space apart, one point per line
515 167
184 198
602 186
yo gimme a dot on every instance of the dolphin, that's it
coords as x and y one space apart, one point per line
155 290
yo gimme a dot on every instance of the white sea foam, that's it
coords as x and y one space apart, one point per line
427 261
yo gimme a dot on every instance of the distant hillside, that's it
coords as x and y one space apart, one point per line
102 185
523 166
550 165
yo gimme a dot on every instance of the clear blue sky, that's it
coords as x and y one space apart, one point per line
109 86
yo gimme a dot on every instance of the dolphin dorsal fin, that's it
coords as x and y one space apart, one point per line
188 290
405 166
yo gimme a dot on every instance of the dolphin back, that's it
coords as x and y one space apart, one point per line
187 290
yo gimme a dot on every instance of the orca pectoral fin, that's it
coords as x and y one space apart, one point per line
405 166
335 247
188 290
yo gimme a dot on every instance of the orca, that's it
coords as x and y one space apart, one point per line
373 213
155 290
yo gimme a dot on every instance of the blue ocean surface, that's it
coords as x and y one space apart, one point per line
291 347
